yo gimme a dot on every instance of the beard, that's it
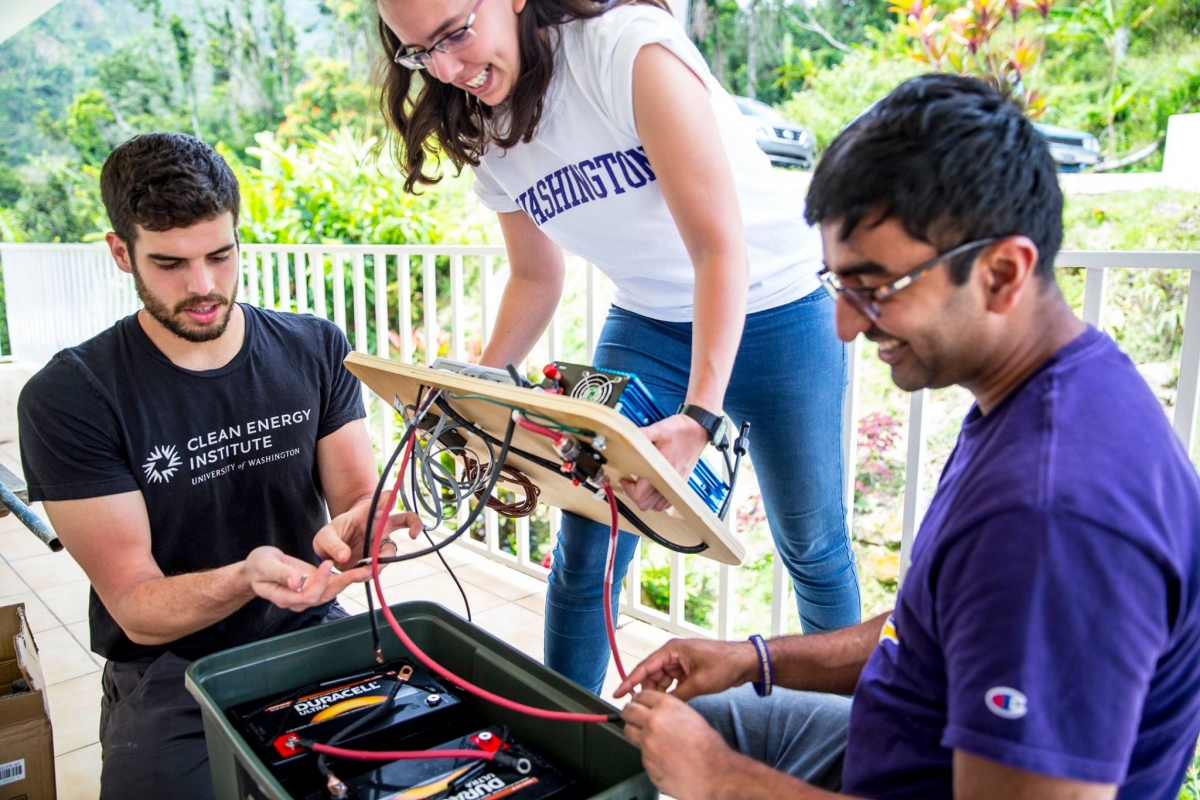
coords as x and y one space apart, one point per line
172 320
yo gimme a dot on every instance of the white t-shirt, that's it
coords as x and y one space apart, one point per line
587 184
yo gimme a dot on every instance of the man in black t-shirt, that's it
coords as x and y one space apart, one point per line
186 457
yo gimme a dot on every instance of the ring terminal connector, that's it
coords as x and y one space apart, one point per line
522 765
337 789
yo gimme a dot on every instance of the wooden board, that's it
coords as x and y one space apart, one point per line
628 451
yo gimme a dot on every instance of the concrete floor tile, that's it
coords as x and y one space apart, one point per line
39 616
10 581
68 602
52 569
17 543
10 455
516 626
353 601
83 634
534 602
612 679
62 657
501 580
440 589
641 638
395 574
75 712
77 774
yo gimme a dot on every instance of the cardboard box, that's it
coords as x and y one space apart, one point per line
26 740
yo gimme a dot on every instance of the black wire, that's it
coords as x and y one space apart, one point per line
555 468
733 473
739 449
376 713
475 512
461 590
367 535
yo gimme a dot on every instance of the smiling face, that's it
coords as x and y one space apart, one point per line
488 66
932 333
187 278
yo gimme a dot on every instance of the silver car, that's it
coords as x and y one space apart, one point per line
786 143
1071 150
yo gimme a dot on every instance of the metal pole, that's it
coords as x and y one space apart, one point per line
29 519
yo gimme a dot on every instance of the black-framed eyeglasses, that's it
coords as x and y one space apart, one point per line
865 300
452 42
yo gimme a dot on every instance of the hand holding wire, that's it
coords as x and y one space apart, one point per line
341 539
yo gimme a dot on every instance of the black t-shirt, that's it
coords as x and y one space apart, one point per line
226 459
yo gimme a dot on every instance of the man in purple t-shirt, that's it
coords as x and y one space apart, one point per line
1046 640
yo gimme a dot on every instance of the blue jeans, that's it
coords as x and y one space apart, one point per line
800 733
789 383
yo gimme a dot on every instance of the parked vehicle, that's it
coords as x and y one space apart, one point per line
786 143
792 145
1071 150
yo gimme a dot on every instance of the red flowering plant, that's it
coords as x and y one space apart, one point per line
879 470
972 39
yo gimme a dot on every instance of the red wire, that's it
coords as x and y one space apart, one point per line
398 755
433 666
533 426
430 664
609 568
610 564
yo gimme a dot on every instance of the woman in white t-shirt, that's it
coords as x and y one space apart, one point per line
598 129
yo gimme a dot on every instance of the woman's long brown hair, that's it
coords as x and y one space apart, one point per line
427 118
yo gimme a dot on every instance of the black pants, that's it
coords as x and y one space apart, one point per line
152 733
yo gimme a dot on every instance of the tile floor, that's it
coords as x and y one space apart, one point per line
54 590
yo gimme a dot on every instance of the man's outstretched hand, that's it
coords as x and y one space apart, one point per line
696 667
294 584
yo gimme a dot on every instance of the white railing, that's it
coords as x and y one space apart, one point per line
59 295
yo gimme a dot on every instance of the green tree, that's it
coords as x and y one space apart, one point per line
61 205
355 36
329 98
90 127
185 57
1111 23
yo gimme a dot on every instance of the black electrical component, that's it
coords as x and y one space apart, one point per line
449 438
626 394
319 711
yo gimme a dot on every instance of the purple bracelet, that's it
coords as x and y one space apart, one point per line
766 673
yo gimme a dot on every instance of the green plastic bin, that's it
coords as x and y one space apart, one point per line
598 756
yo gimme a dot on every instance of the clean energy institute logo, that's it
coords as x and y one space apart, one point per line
161 465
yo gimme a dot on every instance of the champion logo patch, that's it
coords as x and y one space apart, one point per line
1006 702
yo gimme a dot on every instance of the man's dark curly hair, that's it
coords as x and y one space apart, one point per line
162 181
952 160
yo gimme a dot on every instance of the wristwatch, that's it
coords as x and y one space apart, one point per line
713 423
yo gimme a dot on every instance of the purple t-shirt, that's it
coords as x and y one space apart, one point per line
1050 620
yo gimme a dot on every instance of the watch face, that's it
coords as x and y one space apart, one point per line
720 437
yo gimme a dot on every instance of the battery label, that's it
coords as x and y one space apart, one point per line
426 779
307 708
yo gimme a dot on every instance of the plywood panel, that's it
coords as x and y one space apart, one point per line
629 453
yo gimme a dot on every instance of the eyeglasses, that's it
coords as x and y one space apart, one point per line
422 58
865 300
